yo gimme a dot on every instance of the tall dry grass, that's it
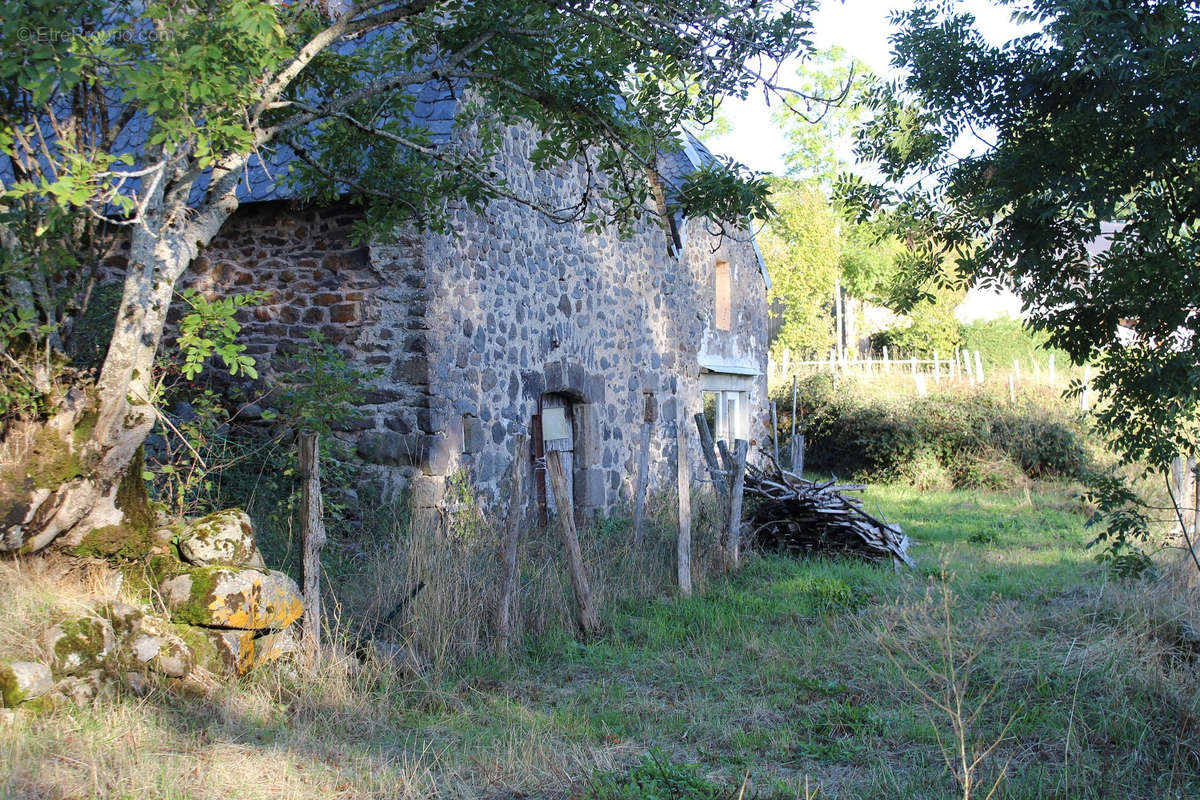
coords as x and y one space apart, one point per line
433 586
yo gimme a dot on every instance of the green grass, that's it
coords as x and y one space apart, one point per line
789 672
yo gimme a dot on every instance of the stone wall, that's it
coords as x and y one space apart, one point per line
472 327
517 306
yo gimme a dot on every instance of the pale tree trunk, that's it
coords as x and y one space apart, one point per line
118 409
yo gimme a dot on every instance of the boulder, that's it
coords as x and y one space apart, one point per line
125 619
162 653
242 651
23 680
223 538
217 597
79 646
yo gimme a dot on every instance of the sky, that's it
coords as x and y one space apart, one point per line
861 28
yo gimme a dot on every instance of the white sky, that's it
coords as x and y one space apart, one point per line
861 28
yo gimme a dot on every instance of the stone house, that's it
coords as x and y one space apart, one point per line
510 323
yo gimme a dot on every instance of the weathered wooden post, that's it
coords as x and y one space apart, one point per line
710 458
919 380
684 545
512 541
792 440
1012 390
734 534
312 539
775 434
978 369
585 606
1053 375
643 473
1017 370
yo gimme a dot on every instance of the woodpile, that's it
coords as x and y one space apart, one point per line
792 515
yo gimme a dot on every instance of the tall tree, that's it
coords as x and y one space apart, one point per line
802 249
1065 163
203 88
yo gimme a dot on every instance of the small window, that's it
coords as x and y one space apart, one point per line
728 415
723 289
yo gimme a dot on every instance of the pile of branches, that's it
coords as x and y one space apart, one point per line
789 514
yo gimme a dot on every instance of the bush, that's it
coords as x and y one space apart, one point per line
949 439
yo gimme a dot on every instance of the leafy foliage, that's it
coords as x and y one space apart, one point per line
210 328
801 249
320 386
1080 198
656 777
1001 341
1063 163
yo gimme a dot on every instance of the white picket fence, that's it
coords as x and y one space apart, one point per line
963 366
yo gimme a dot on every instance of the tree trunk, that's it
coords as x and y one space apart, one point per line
69 481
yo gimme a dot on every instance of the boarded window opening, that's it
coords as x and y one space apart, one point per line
723 300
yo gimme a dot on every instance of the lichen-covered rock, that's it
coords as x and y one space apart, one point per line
162 653
219 597
234 649
23 680
271 646
78 646
125 619
224 538
242 651
78 689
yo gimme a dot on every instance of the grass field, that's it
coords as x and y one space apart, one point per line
792 679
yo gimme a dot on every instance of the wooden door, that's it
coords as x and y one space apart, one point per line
558 435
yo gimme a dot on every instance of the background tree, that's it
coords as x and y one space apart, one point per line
802 249
820 137
1066 164
210 85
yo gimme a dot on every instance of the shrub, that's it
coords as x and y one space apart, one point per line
948 439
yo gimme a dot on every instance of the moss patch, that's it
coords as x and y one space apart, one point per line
85 639
197 640
142 577
9 691
123 542
195 610
51 463
132 498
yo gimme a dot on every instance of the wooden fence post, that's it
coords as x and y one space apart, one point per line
585 605
792 440
312 538
775 434
512 540
978 369
643 473
684 546
710 457
1053 374
733 536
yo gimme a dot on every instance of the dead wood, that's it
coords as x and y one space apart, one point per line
790 514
